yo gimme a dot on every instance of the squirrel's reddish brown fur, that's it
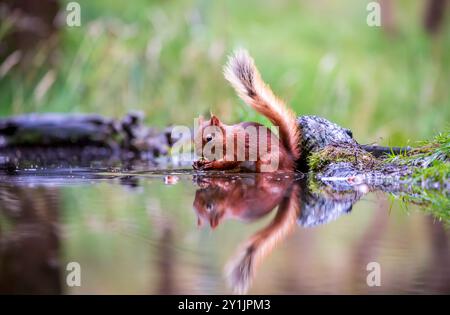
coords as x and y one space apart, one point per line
241 72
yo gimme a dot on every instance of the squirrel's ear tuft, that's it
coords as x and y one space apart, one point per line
200 120
214 120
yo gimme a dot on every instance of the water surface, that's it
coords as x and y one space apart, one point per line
183 233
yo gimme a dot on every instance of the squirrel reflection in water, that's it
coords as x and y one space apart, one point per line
249 197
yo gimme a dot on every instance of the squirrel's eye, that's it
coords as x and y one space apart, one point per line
208 138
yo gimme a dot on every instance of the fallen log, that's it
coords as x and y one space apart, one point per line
78 139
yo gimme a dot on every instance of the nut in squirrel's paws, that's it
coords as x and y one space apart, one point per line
198 165
202 164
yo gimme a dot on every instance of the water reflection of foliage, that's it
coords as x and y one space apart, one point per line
29 240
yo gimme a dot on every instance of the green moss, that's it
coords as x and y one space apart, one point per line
361 159
437 172
314 185
426 183
427 152
429 161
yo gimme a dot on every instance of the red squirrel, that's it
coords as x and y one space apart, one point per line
242 74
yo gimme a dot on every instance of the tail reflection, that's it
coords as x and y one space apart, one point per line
249 198
241 268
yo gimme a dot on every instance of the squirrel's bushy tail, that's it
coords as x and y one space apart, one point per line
241 72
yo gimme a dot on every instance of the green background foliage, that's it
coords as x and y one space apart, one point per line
165 58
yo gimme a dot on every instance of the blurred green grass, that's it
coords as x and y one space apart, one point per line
165 58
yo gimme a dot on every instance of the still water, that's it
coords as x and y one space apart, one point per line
181 233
